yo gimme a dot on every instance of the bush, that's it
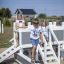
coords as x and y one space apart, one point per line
7 23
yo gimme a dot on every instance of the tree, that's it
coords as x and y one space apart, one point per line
54 17
42 15
2 12
5 13
62 18
8 13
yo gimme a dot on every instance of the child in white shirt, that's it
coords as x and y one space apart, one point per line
35 34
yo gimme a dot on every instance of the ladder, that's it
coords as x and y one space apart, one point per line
11 50
47 53
51 57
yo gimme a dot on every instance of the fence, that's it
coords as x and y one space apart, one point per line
1 27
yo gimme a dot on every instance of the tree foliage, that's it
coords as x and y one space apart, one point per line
62 18
42 15
5 12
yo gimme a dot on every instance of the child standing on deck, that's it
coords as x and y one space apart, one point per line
20 23
45 30
35 34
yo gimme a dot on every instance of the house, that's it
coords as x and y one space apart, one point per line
27 13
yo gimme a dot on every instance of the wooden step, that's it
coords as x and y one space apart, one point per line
53 63
8 52
51 59
49 52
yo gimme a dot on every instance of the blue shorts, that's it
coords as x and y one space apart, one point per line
34 42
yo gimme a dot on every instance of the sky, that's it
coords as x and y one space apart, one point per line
49 7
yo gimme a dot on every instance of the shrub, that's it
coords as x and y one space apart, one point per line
7 23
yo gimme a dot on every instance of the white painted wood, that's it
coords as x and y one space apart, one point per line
14 38
63 24
18 61
53 27
29 23
0 26
14 26
50 38
42 53
45 53
54 23
50 23
26 46
20 40
25 57
57 43
8 53
11 40
63 34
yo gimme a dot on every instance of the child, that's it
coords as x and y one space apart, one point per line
44 27
20 23
35 34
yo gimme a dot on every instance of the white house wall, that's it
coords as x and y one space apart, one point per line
30 16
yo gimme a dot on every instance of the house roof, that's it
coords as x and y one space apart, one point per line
25 11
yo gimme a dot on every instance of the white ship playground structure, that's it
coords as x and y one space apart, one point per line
51 53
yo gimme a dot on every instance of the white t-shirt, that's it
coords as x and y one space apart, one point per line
34 32
45 31
19 23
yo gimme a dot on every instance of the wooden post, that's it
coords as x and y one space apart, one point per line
54 23
14 34
29 23
59 52
14 38
50 37
20 40
63 33
50 23
0 26
63 24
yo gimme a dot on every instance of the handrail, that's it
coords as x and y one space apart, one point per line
44 40
53 34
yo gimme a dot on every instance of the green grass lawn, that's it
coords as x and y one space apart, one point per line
5 37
